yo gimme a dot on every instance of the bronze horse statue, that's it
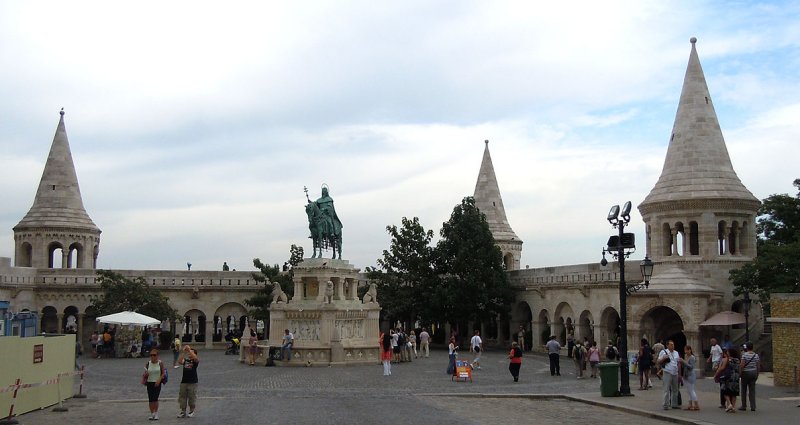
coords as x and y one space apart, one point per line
324 233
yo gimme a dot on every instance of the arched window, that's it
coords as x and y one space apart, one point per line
680 238
25 256
722 237
55 256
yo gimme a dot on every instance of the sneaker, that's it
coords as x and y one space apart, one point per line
150 418
182 415
155 416
190 414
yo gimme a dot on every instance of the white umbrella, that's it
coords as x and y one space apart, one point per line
128 318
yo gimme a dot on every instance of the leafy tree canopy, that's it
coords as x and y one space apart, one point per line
407 274
270 276
777 266
475 285
123 294
460 279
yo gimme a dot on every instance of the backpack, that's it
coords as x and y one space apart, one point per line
517 352
577 352
401 339
611 353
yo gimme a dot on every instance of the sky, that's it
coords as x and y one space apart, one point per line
194 126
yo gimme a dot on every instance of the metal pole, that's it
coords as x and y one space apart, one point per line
624 377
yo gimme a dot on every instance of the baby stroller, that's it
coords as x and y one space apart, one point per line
232 347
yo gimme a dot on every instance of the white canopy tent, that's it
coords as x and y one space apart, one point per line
128 318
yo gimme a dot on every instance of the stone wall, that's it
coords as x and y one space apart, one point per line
785 336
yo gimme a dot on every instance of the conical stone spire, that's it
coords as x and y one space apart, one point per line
697 165
58 200
490 203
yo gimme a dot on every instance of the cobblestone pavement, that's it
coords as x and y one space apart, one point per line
416 392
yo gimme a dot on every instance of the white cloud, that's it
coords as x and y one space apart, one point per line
195 125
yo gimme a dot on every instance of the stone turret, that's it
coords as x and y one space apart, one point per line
699 215
57 221
490 203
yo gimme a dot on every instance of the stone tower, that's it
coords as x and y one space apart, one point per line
699 217
490 203
57 222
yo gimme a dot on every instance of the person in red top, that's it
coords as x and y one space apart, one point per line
516 360
385 342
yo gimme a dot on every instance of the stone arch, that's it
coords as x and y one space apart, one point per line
563 319
69 322
585 326
609 325
663 323
25 255
194 325
508 261
49 320
229 315
55 255
722 238
76 254
543 319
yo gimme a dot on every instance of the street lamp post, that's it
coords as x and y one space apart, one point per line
621 247
746 304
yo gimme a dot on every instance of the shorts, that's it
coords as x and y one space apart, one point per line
153 391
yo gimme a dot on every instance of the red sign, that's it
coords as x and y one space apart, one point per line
38 353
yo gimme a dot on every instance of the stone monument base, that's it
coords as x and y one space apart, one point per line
330 324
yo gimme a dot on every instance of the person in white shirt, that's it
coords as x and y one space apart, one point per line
669 360
476 347
715 357
424 340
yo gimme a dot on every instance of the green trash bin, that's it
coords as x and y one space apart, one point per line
609 379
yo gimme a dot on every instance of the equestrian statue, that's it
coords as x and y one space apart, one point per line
324 224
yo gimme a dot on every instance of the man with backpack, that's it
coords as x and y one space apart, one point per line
611 352
579 355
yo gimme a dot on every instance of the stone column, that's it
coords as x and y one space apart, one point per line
80 336
209 333
736 241
726 240
298 290
64 258
60 319
339 292
674 244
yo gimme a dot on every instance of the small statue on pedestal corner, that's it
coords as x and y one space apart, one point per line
371 296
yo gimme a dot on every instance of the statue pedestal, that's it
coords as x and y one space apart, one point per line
331 325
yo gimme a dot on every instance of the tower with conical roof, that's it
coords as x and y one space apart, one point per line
57 223
699 216
490 203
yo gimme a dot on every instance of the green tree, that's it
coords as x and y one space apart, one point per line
475 286
123 294
270 276
406 272
777 266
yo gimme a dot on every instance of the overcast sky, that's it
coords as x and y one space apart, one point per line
194 126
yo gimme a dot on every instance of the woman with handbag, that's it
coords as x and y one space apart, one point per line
689 376
748 369
153 377
728 377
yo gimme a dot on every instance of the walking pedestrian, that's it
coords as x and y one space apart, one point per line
669 360
553 349
452 352
386 353
579 357
153 376
253 347
515 356
476 347
176 350
412 338
749 367
594 358
644 362
728 377
690 377
187 394
424 343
